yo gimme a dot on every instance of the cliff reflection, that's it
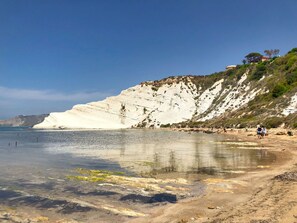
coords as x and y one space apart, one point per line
153 151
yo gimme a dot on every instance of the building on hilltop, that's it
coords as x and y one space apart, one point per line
264 58
230 67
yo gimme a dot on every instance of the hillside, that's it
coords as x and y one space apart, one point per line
246 95
276 101
21 120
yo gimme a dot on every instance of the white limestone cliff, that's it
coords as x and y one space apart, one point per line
292 107
139 104
148 105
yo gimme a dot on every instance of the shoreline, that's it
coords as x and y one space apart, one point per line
253 197
264 196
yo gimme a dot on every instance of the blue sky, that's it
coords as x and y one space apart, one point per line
57 53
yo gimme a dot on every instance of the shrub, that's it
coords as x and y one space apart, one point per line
294 50
273 58
230 72
291 62
279 90
291 77
260 70
165 125
241 70
273 122
193 124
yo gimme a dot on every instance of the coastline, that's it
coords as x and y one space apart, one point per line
253 197
258 197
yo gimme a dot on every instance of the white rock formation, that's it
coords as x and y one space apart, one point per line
232 98
292 108
152 104
140 104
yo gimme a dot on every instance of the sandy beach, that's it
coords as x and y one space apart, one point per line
260 197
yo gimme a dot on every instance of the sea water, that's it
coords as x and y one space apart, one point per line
35 165
128 149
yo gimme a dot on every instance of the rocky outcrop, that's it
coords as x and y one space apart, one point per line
22 120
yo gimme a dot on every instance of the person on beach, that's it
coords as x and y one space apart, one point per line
264 131
259 132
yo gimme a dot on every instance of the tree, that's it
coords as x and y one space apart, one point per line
275 52
244 61
269 53
254 57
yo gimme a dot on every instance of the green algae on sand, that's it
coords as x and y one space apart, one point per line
176 186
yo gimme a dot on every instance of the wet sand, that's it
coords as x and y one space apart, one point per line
261 197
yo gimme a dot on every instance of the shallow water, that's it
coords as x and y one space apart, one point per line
35 165
137 151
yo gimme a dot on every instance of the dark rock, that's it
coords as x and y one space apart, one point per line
136 198
62 206
287 176
162 197
280 133
209 132
90 193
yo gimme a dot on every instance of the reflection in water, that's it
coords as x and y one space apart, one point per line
146 151
172 162
157 162
167 167
34 174
153 151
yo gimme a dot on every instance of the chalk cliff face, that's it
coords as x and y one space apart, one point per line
152 104
292 107
142 105
243 96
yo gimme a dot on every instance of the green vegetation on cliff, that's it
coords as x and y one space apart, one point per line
277 80
255 92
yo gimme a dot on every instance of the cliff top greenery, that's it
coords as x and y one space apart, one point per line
280 84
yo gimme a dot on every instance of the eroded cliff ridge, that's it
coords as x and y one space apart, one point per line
244 95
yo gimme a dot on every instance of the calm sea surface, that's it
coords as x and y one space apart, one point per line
36 163
134 150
